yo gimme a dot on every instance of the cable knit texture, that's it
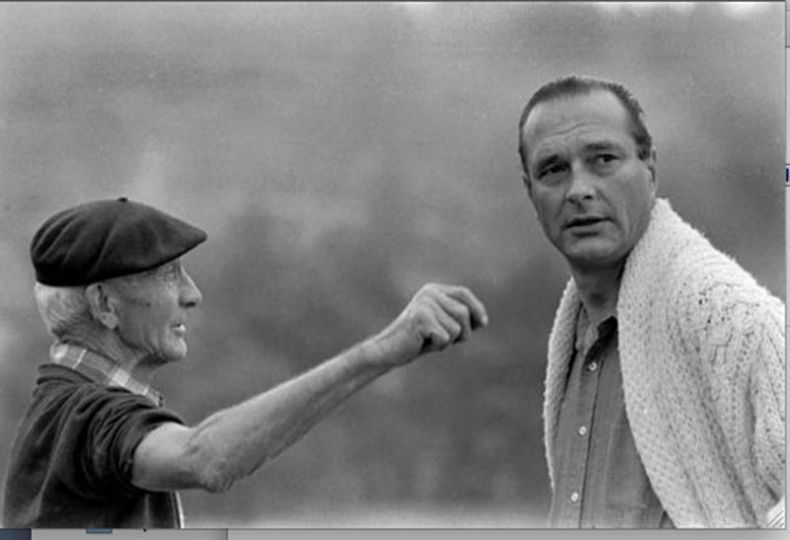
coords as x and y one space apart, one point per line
702 351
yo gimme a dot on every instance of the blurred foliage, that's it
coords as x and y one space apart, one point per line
341 155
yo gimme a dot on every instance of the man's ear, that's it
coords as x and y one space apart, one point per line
103 305
651 167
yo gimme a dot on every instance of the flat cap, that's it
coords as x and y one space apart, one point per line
105 239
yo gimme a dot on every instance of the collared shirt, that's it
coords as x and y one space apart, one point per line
101 370
71 463
600 479
106 372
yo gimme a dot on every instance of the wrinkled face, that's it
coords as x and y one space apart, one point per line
592 193
152 311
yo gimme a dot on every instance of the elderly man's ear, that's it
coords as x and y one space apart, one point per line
103 305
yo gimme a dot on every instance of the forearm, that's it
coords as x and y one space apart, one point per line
235 442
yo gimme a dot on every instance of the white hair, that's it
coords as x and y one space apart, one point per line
62 309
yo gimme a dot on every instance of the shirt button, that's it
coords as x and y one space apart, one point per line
583 431
575 496
593 366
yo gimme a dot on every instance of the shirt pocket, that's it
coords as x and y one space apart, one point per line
628 498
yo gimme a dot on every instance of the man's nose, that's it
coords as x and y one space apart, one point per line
190 294
581 186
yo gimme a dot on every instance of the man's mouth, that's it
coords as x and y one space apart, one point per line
584 221
180 329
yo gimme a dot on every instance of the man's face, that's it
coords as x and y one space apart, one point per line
152 311
592 193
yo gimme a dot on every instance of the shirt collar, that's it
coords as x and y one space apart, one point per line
586 335
100 369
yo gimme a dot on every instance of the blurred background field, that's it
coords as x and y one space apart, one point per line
341 155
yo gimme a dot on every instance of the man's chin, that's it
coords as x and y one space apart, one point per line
170 357
594 257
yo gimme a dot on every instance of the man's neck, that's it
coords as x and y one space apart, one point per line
107 344
598 291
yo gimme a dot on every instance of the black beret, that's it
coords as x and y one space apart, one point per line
105 239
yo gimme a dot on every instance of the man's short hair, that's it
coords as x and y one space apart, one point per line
65 309
575 85
62 309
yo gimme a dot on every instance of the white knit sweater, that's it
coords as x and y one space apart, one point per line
702 353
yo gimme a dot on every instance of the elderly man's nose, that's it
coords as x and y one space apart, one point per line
190 294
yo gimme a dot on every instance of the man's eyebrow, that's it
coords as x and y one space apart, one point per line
602 145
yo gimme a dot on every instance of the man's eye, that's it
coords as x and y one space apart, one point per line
170 273
605 158
551 169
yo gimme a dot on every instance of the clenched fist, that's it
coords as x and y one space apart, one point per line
437 316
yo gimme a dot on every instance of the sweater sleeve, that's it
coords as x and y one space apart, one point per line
767 396
734 330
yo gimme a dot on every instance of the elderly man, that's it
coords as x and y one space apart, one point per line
664 396
96 448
